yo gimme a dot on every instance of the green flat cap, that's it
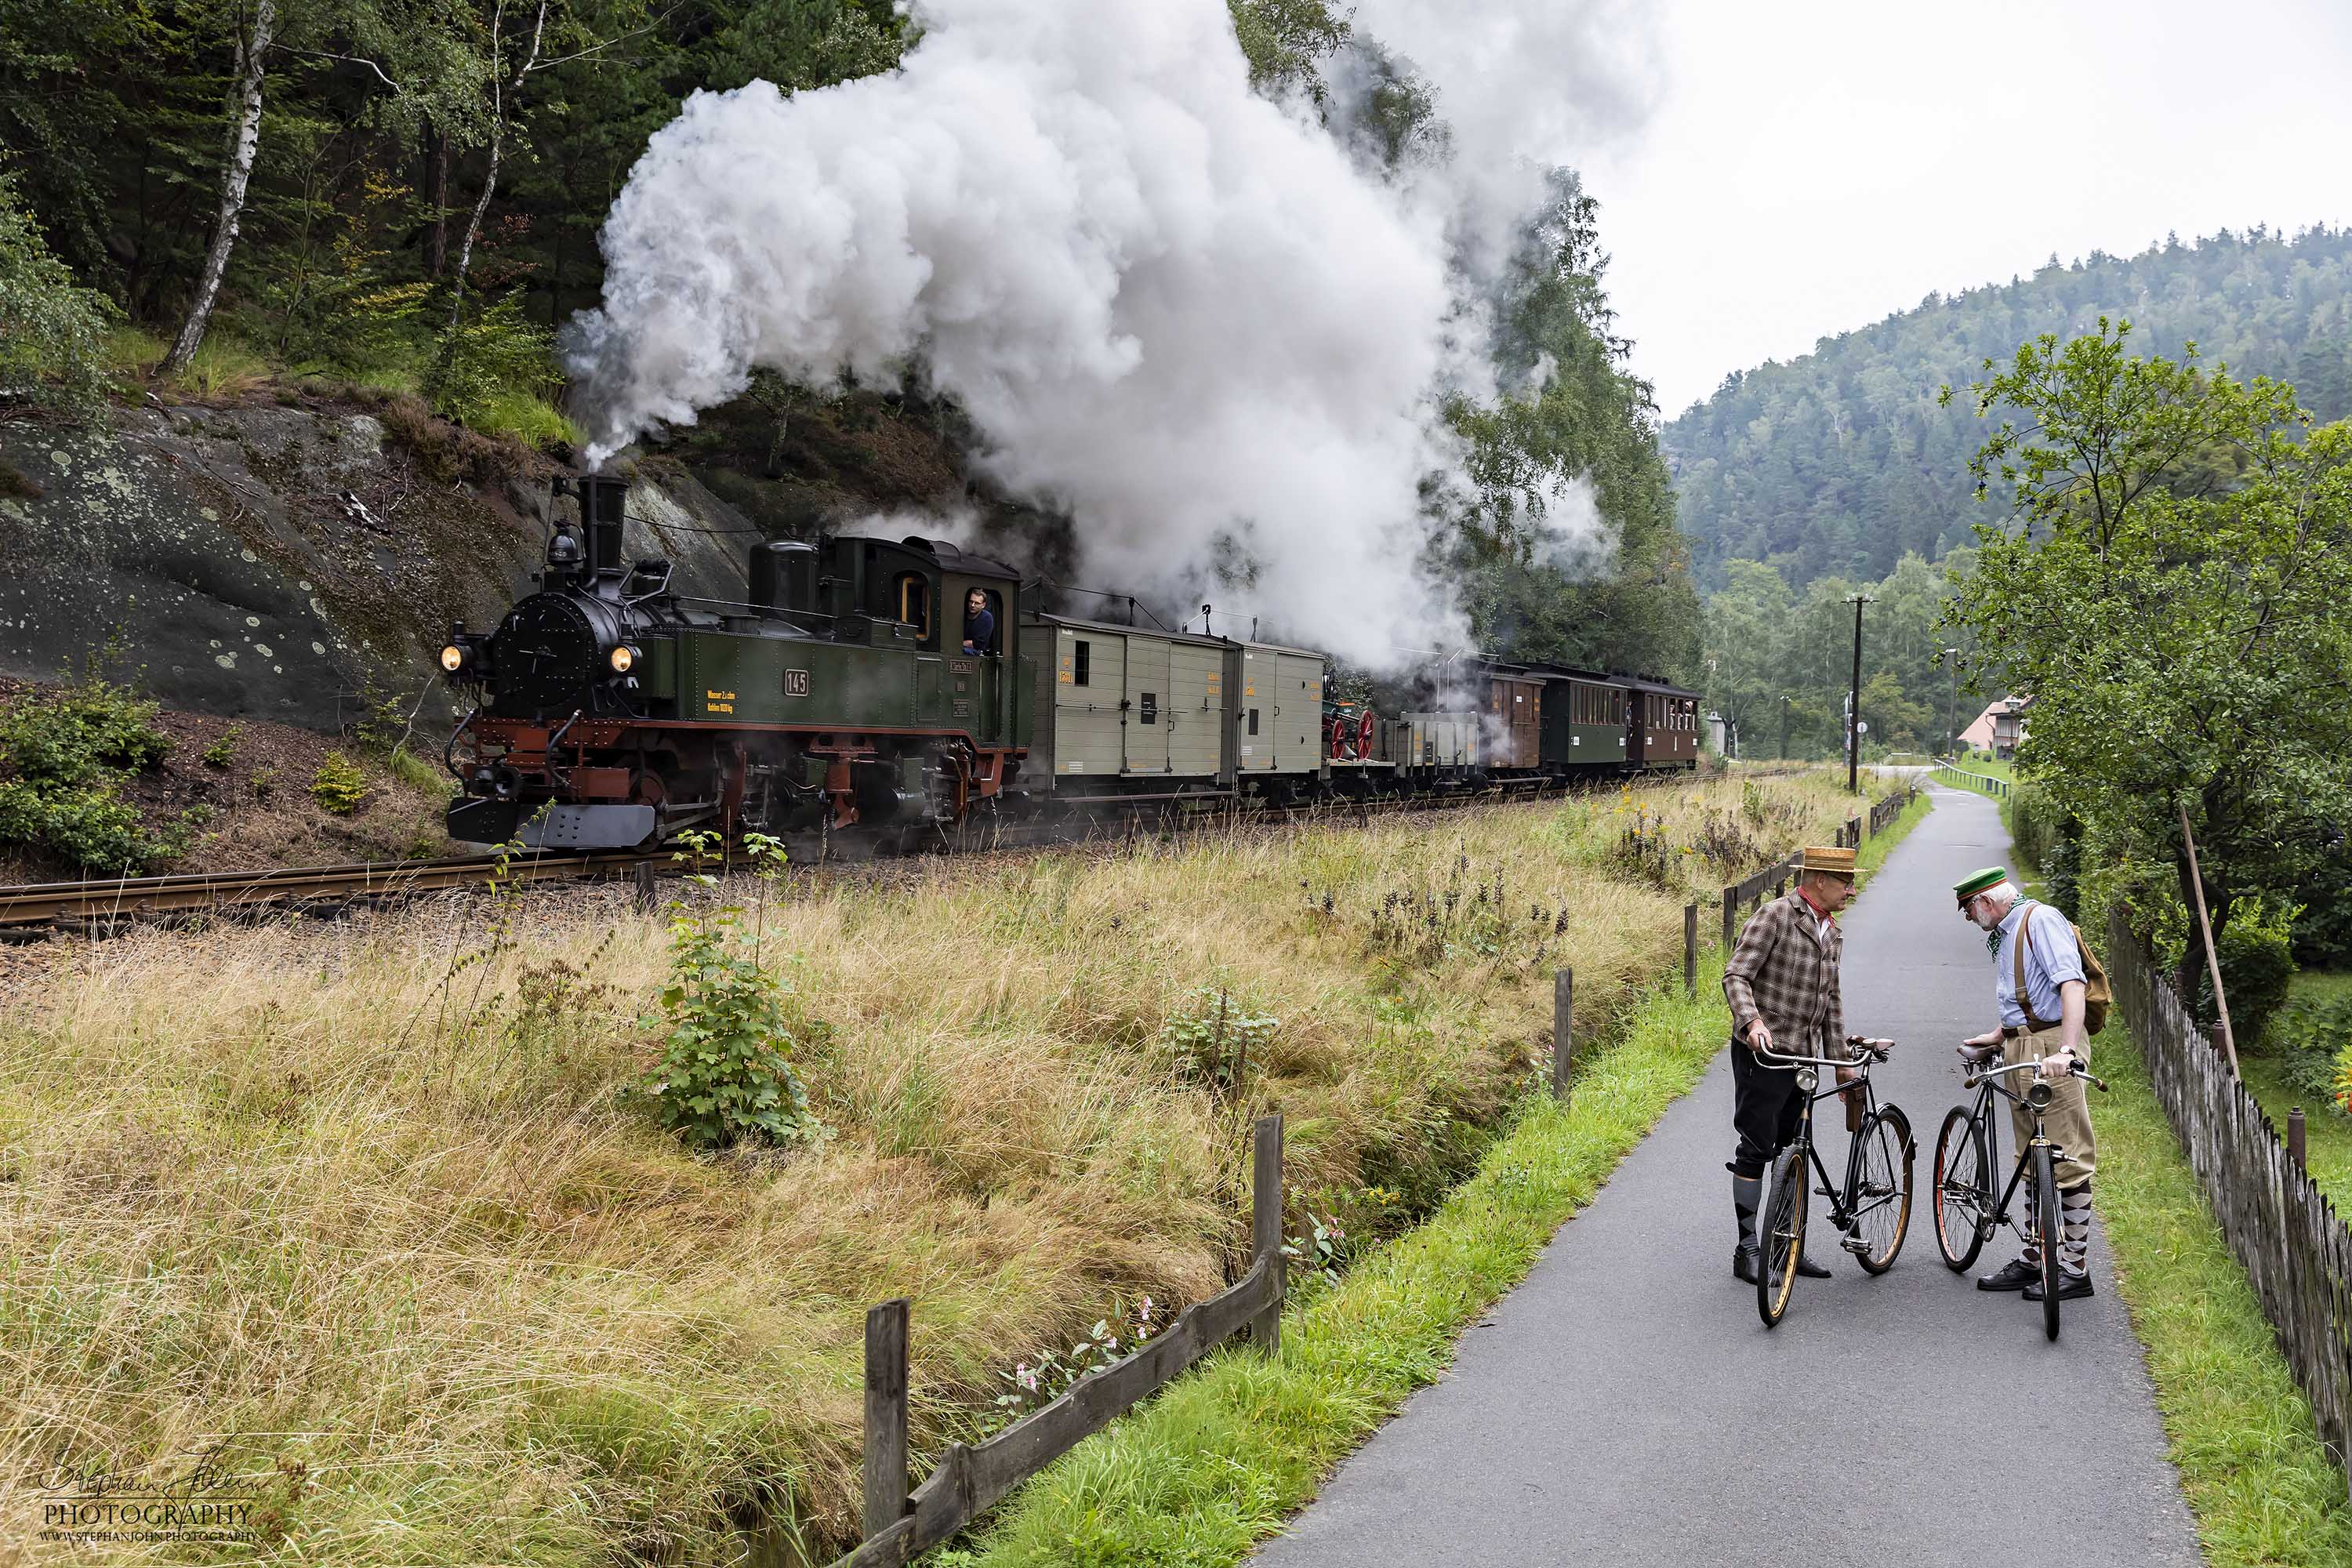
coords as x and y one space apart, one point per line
1976 882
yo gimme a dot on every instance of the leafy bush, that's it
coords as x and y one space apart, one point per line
52 331
2049 840
2257 953
2312 1034
726 1069
2323 934
494 355
1213 1041
340 785
222 750
68 753
79 734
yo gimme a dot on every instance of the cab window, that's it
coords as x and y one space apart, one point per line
914 602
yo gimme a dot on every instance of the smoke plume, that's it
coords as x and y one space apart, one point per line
1174 308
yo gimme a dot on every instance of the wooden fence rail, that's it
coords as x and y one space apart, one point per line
900 1526
2296 1251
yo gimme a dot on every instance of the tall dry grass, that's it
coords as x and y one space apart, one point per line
376 1199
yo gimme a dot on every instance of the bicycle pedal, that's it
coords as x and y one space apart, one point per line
1857 1245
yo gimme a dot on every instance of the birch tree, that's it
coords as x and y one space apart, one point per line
254 37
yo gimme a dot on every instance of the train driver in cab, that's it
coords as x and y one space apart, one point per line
978 624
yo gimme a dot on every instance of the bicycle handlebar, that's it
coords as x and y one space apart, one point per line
2077 1070
1872 1051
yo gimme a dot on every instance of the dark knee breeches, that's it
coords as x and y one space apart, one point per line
1765 1109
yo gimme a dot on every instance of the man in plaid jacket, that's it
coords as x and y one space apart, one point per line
1782 986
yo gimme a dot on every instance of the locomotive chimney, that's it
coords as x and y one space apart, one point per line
601 496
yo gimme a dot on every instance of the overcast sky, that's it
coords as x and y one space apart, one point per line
1813 166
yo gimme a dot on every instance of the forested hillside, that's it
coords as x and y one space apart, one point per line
1840 462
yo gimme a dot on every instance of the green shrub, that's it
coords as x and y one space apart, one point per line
2257 954
495 355
79 734
726 1070
338 784
2049 841
2313 1037
67 754
1213 1040
222 750
52 331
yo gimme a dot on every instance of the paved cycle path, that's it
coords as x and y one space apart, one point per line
1625 1406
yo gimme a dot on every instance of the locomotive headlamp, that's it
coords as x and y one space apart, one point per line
622 657
453 658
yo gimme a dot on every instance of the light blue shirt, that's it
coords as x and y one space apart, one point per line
2052 959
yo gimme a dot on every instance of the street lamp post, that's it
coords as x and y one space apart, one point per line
1952 706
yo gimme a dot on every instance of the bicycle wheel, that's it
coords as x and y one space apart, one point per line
1781 1238
1879 1184
1963 1189
2046 1224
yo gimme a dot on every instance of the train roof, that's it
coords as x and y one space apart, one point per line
1569 672
1643 683
1083 624
951 556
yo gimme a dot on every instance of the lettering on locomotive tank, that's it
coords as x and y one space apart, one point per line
717 701
797 683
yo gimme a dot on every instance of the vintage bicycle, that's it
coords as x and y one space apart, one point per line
1967 1212
1872 1206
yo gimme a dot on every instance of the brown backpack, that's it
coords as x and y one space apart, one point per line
2096 997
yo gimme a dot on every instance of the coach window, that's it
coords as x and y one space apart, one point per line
1252 721
1081 661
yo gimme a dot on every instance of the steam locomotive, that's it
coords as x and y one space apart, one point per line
861 685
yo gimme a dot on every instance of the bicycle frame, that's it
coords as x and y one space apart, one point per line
1986 1082
1846 1208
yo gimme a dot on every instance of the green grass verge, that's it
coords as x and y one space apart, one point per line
2261 1485
1212 1466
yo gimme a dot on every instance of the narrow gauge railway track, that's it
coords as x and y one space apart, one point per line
26 909
114 898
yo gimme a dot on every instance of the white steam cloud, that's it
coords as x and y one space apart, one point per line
1523 86
1168 305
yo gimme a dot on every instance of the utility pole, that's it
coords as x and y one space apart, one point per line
1853 701
1784 728
1952 708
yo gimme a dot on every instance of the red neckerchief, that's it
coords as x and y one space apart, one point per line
1817 909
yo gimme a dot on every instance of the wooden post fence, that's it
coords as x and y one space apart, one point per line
2295 1141
1265 1228
1690 953
886 1413
2296 1251
1563 1036
971 1478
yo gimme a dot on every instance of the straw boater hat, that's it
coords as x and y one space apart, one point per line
1829 862
1976 882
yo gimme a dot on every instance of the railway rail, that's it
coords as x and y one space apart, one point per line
113 899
